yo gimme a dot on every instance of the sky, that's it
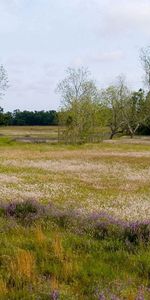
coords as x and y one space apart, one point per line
40 39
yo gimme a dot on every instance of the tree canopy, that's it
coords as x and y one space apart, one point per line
80 104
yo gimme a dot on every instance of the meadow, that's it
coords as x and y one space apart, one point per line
74 219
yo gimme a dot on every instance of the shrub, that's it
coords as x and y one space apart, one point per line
22 210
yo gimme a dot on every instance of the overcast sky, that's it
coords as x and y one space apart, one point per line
40 38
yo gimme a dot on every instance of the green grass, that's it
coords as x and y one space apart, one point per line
44 256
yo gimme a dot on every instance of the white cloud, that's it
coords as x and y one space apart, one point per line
127 16
98 58
107 56
11 5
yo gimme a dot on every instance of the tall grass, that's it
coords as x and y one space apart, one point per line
75 258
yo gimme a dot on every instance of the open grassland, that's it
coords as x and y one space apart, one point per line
33 131
40 256
114 177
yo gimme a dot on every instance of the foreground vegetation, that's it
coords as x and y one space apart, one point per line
49 254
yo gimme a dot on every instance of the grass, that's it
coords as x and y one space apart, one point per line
33 131
104 176
42 256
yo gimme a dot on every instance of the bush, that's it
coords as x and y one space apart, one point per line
22 210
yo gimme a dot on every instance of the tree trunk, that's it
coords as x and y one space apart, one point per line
115 132
131 135
112 135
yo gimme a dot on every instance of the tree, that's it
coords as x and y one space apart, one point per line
80 104
114 98
145 60
3 81
76 86
135 112
144 127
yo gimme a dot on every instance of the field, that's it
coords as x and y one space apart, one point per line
56 254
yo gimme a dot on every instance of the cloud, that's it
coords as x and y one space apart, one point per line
111 18
31 78
107 57
12 5
127 16
20 61
14 14
98 57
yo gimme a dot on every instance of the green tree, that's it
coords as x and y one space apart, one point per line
144 127
80 104
114 98
135 112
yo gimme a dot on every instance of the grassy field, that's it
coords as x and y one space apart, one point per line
43 254
33 131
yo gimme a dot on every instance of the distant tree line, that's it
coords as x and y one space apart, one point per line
28 118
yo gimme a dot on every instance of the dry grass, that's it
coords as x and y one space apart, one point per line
22 266
57 246
34 131
40 236
54 283
114 177
3 288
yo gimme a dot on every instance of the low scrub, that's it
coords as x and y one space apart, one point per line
98 225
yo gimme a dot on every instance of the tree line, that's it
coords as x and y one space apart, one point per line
28 118
86 108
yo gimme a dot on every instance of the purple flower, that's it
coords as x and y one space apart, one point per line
140 295
101 296
55 295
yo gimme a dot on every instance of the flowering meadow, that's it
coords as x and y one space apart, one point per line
74 220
